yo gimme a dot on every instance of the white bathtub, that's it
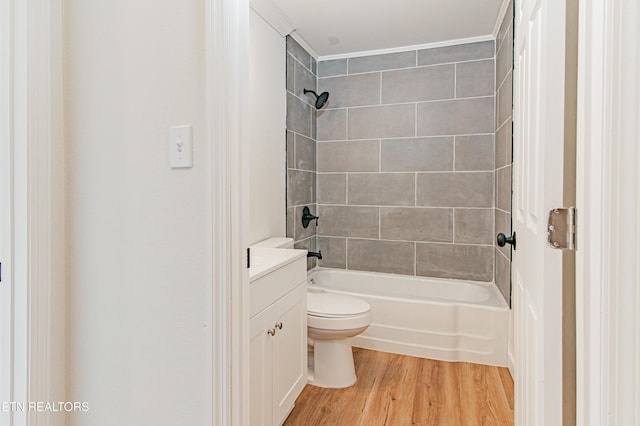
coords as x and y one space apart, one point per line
448 320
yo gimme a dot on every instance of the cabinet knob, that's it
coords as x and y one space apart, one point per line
271 331
279 325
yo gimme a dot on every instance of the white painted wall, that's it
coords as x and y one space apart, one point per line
267 130
138 251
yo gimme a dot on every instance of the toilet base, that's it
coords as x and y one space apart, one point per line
331 364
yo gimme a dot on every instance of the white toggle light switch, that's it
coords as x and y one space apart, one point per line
180 147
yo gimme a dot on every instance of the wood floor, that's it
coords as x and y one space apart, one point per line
397 390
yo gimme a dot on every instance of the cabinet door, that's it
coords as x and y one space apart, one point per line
260 369
289 351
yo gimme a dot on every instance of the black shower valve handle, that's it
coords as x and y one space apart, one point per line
308 217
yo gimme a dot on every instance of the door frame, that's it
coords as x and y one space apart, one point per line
227 71
608 164
32 146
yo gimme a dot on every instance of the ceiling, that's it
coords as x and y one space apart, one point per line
342 27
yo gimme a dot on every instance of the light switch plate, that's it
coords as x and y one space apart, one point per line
180 152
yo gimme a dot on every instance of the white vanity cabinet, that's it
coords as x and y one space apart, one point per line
278 341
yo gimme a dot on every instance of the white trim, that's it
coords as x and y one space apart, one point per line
608 163
302 42
501 14
273 15
227 59
6 207
446 43
33 115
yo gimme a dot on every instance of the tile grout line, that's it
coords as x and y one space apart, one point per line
418 66
455 80
428 101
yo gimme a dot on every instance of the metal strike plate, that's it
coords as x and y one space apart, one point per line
561 228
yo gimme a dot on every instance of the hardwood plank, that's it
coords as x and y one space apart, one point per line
397 390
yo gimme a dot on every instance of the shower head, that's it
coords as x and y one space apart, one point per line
321 99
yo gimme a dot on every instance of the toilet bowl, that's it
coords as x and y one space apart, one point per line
332 320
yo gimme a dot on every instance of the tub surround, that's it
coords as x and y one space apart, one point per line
504 149
301 146
405 162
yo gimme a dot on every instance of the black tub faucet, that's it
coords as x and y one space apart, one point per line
317 254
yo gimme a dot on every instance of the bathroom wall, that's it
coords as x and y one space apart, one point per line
504 96
405 161
138 253
301 145
267 111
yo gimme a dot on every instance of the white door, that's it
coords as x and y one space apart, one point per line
539 61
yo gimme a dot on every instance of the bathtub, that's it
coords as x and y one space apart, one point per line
443 319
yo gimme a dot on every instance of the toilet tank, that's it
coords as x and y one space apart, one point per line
276 242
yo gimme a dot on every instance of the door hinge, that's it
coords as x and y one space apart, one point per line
561 228
248 258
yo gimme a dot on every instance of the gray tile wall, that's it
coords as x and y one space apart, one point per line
406 162
301 146
503 150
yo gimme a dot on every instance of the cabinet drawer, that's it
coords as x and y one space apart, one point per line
266 290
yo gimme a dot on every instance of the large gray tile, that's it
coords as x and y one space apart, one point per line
387 121
310 244
298 52
304 79
418 84
314 66
305 153
298 115
332 67
457 53
457 117
474 153
381 189
503 276
469 189
348 156
416 224
504 58
417 154
503 189
348 221
503 144
291 153
332 125
386 61
381 256
475 78
334 252
351 90
503 225
301 187
291 221
291 68
300 232
505 101
332 188
465 262
473 226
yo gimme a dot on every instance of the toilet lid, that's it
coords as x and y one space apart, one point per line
335 305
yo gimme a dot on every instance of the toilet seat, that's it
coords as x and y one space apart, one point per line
330 305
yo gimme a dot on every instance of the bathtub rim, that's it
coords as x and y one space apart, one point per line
494 302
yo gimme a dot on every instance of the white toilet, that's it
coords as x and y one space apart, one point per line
332 320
